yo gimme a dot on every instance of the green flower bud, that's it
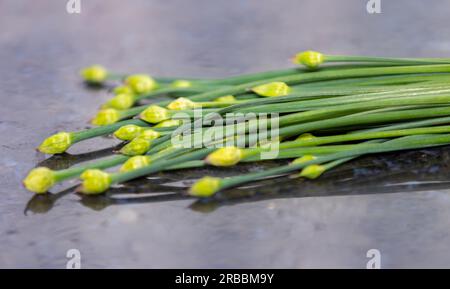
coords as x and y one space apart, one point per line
225 157
304 159
95 182
122 89
312 171
39 180
181 83
181 103
149 134
138 146
135 163
57 143
169 123
106 116
120 101
310 59
94 74
154 114
305 136
128 132
226 98
272 89
205 187
141 83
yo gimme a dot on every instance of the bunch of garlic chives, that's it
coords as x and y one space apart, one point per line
113 116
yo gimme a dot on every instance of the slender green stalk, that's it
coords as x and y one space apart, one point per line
390 60
315 141
159 166
104 130
74 172
376 118
405 143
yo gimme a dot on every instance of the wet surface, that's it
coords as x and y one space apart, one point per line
397 203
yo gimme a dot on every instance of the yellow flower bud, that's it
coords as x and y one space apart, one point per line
169 123
138 146
305 136
310 59
181 83
39 180
128 132
94 74
226 98
57 143
122 89
154 114
272 89
312 171
304 159
205 187
181 103
149 134
95 182
106 116
225 157
120 101
135 163
141 83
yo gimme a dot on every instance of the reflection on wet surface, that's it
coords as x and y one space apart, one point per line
418 170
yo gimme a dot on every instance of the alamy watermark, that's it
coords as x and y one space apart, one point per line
74 257
373 6
212 130
375 259
73 6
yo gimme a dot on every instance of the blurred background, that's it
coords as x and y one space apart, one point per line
291 224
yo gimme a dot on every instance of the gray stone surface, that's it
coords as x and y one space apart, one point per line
397 203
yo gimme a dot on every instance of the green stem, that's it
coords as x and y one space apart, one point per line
349 120
159 165
403 144
73 172
104 130
364 136
390 60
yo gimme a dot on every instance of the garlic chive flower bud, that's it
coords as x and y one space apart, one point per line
226 98
135 163
181 83
122 89
149 134
154 114
181 103
169 123
272 89
95 182
310 59
95 74
138 146
304 159
312 171
141 83
39 180
120 101
106 116
205 187
128 132
57 143
305 136
225 157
